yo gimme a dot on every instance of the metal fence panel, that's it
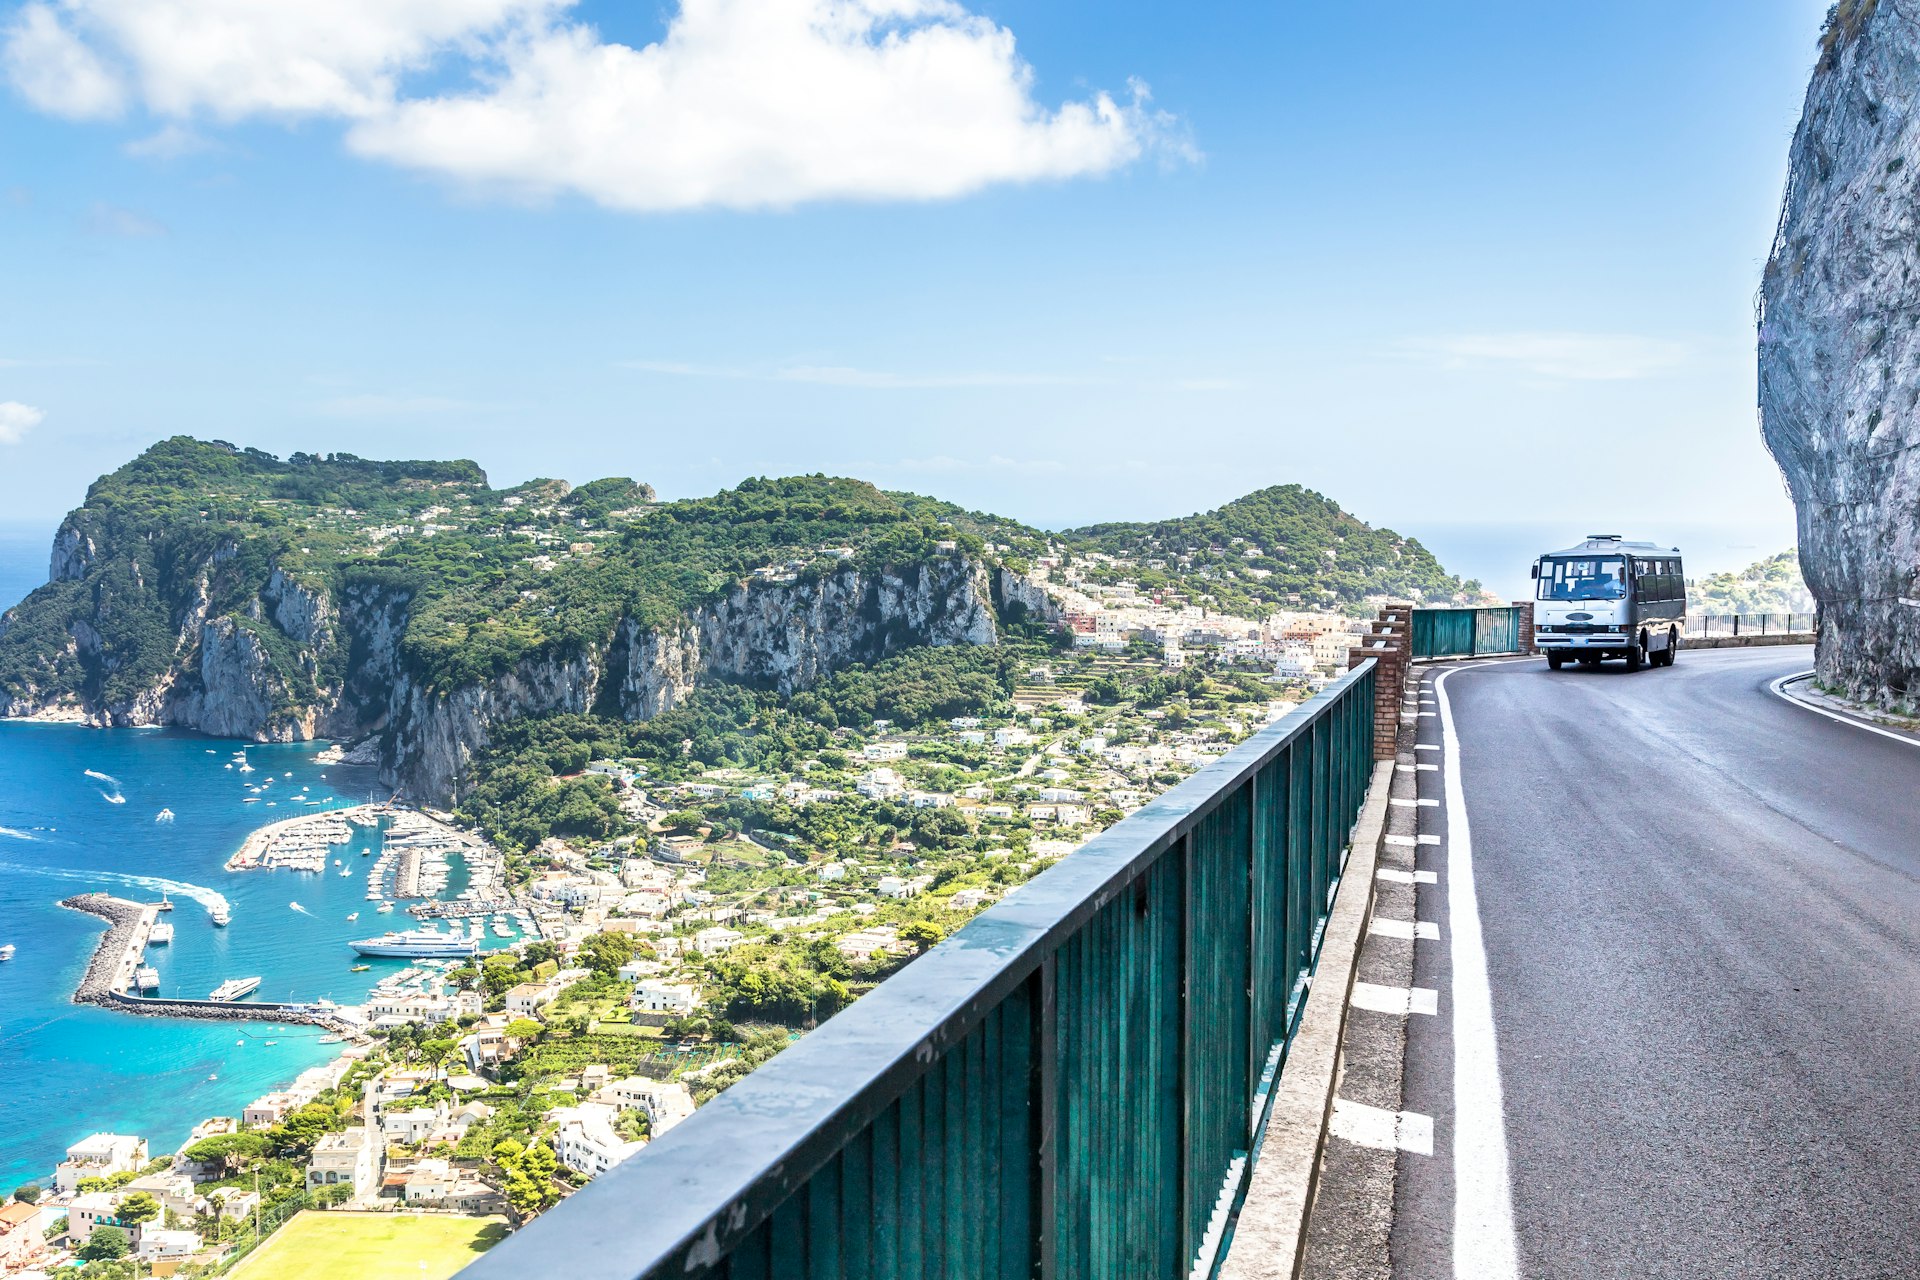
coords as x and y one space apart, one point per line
1465 633
1064 1088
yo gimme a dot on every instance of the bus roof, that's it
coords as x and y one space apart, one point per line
1609 544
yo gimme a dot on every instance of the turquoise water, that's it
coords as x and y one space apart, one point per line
70 1071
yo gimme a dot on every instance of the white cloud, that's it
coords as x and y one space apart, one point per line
741 104
170 142
54 70
1576 357
16 420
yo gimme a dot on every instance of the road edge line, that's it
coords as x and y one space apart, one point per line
1779 690
1484 1247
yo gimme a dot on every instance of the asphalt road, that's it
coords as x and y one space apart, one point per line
1701 917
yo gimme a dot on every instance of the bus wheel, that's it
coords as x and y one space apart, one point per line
1637 655
1673 647
1556 660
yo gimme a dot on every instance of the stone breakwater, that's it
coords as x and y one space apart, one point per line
118 953
117 956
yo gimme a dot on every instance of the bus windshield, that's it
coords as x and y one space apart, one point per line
1586 578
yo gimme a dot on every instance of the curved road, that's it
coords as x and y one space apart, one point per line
1700 907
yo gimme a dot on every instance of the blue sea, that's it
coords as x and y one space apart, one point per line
78 810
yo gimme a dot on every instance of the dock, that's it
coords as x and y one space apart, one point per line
113 973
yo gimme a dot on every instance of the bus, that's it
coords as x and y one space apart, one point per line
1606 598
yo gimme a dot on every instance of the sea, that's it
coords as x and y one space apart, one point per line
80 809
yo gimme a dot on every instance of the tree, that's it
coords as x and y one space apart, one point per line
523 1030
137 1208
104 1244
436 1052
87 1185
27 1193
604 953
922 934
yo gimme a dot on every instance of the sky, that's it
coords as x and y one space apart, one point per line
1482 273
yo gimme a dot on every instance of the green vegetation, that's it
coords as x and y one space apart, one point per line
371 1246
1300 547
1773 585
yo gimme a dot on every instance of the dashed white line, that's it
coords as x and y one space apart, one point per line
1414 804
1380 1129
1408 842
1483 1241
1400 1000
1417 768
1405 877
1407 930
1426 746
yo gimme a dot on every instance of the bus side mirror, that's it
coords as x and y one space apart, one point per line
1536 570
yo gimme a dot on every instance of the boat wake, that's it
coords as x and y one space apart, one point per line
14 834
302 910
111 797
208 898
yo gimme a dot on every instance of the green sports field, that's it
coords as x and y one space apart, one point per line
371 1246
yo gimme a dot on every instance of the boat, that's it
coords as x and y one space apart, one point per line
147 979
160 934
332 1037
272 1043
216 1075
383 908
221 914
360 968
352 916
165 815
416 942
345 871
235 989
6 952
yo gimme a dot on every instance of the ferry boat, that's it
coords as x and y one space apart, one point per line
160 934
6 951
147 979
416 942
235 989
221 914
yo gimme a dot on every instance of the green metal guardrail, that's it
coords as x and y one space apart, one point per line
1066 1088
1465 633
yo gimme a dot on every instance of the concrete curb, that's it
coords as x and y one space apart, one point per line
1744 642
1842 711
1270 1231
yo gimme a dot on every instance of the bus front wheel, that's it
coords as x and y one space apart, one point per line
1637 655
1556 660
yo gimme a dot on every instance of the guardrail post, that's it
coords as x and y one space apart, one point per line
1389 643
1523 610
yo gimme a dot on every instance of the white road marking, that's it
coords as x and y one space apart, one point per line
1380 1129
1407 930
1414 804
1417 768
1405 877
1425 746
1408 842
1483 1242
1779 689
1400 1000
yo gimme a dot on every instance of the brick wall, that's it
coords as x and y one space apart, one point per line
1526 624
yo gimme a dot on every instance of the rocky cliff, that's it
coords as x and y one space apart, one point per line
230 676
1839 347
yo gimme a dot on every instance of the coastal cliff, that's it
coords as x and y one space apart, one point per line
1839 347
152 617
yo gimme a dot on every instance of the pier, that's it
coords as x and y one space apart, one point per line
114 970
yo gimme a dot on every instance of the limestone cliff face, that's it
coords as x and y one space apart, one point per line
1839 347
294 663
776 635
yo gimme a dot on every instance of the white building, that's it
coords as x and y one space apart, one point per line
99 1156
716 941
884 751
879 784
674 999
586 1141
350 1158
666 1102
